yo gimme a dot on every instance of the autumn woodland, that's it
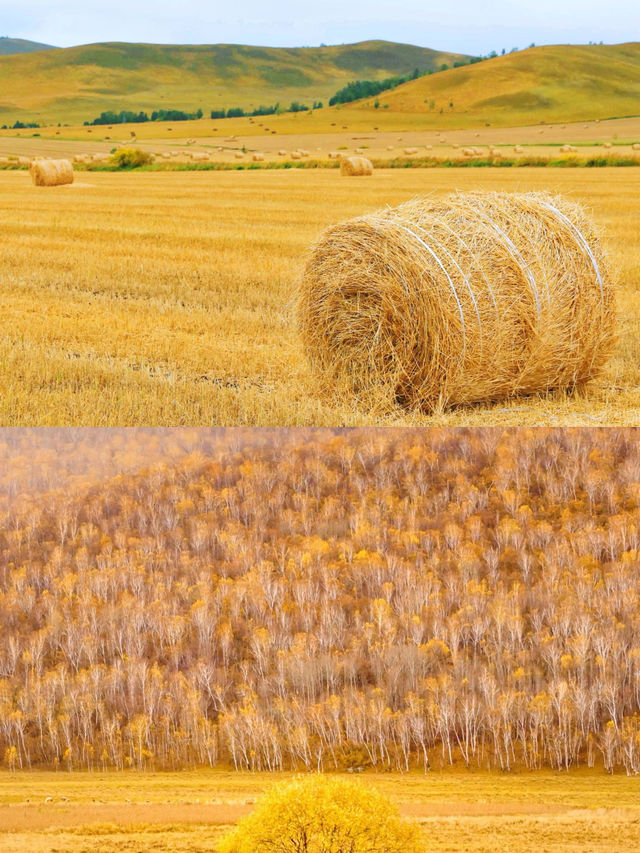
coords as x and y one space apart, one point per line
320 599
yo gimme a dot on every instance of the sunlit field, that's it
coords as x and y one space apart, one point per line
460 811
168 297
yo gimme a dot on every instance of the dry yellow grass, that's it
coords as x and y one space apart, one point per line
167 298
460 811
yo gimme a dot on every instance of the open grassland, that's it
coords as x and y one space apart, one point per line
551 83
319 129
577 812
168 298
236 146
78 83
541 84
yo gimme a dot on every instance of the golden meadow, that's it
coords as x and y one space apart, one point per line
169 297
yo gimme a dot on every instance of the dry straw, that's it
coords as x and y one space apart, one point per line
471 297
356 166
51 173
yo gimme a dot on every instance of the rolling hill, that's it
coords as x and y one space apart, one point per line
9 46
75 84
555 83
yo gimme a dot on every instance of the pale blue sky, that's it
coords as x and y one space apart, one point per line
468 26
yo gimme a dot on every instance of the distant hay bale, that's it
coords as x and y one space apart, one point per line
296 155
302 152
635 146
468 152
568 149
519 149
282 153
51 173
257 157
201 156
190 142
389 147
606 145
24 161
410 150
471 297
334 155
356 166
239 155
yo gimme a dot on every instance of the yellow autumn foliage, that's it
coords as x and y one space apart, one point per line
323 814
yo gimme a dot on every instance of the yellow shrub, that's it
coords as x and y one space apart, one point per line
323 814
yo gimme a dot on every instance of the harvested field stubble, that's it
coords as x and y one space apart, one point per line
467 298
193 274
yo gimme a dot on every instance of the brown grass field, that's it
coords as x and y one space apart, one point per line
460 811
167 298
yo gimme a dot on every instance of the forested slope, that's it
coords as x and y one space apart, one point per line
333 599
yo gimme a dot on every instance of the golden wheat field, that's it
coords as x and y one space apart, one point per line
168 297
577 812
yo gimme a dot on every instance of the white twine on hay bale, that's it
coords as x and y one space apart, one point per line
356 166
474 297
51 173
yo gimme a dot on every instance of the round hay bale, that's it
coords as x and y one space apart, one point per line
239 155
389 147
334 155
24 161
258 158
51 173
303 152
410 151
477 296
296 155
282 153
356 166
635 146
606 145
519 149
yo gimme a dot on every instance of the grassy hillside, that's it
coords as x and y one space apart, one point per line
12 46
555 83
74 84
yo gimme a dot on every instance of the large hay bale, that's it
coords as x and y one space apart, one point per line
257 157
518 149
51 173
356 166
296 155
455 300
635 146
410 151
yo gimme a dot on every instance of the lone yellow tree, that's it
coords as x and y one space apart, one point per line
324 814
